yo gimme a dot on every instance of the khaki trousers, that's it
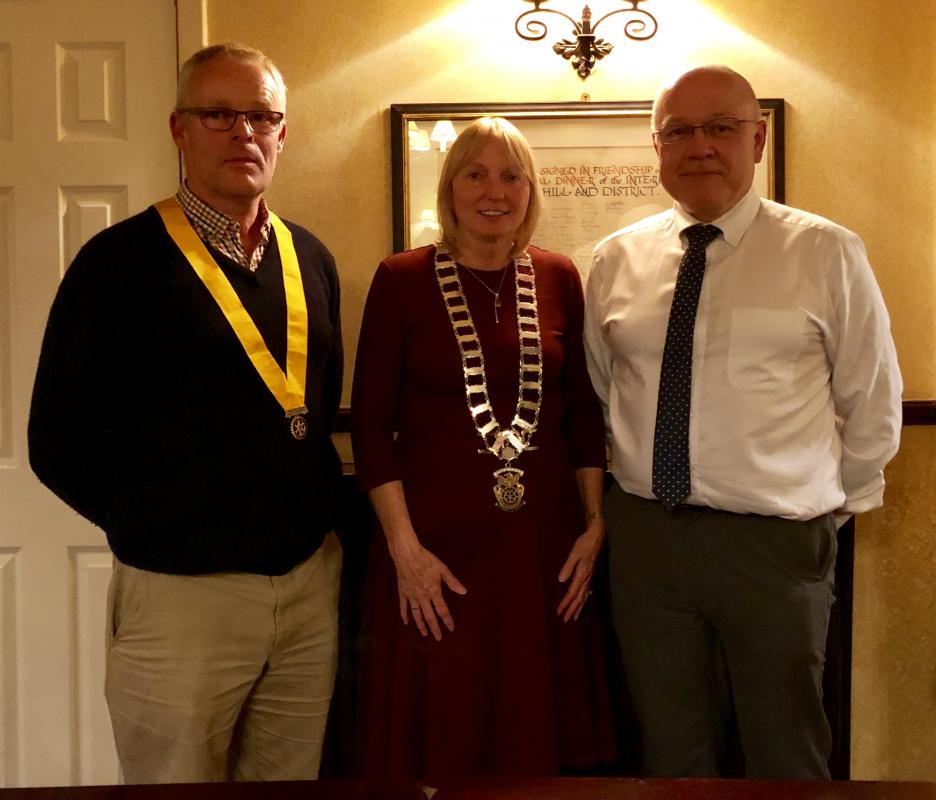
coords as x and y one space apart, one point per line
226 676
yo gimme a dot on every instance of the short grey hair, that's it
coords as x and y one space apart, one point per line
241 52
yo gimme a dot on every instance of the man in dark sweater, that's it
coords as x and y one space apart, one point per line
187 386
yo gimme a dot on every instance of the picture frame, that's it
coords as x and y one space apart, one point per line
596 166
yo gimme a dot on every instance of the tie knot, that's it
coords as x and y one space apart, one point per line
702 235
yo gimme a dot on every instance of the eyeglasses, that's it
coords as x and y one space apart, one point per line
721 128
223 119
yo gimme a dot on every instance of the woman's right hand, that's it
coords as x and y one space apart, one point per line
420 576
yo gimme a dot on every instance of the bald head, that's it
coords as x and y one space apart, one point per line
733 84
708 168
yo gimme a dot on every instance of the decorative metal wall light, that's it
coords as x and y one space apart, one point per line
586 48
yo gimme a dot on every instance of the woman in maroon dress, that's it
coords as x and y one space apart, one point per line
483 652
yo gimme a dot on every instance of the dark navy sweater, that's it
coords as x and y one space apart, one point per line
148 418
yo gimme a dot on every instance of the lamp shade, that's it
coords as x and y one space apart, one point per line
418 138
443 132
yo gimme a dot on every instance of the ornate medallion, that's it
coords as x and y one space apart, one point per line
298 426
508 491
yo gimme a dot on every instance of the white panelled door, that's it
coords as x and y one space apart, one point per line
86 87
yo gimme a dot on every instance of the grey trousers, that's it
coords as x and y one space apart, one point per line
719 613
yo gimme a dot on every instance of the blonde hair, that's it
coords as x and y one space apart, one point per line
466 147
240 52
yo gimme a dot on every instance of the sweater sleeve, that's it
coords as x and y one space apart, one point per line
377 383
584 422
69 433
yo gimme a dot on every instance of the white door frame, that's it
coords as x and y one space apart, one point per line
191 27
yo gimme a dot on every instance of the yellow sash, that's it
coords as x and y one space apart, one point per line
288 388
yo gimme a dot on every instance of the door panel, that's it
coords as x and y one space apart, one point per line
86 87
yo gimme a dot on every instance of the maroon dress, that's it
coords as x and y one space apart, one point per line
514 690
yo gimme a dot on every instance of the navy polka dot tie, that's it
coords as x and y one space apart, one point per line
671 436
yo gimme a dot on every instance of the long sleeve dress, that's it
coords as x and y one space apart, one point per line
513 690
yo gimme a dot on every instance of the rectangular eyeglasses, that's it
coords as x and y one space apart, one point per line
223 119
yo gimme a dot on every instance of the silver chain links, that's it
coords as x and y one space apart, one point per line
505 443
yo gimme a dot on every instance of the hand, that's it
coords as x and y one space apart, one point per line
580 566
420 576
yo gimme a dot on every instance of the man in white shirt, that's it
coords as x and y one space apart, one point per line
733 470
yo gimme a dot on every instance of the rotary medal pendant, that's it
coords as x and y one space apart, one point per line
298 426
508 491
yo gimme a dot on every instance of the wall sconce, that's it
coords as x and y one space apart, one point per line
586 48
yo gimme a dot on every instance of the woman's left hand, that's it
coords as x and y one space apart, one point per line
580 566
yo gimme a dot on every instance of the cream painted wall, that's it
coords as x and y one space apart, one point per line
894 671
859 79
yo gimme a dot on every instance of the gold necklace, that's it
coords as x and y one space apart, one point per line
497 300
504 443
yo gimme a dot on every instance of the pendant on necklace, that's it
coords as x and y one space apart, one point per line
497 305
508 491
298 427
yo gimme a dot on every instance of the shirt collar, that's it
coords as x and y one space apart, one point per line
733 223
213 225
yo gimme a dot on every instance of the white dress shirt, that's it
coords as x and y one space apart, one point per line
795 385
